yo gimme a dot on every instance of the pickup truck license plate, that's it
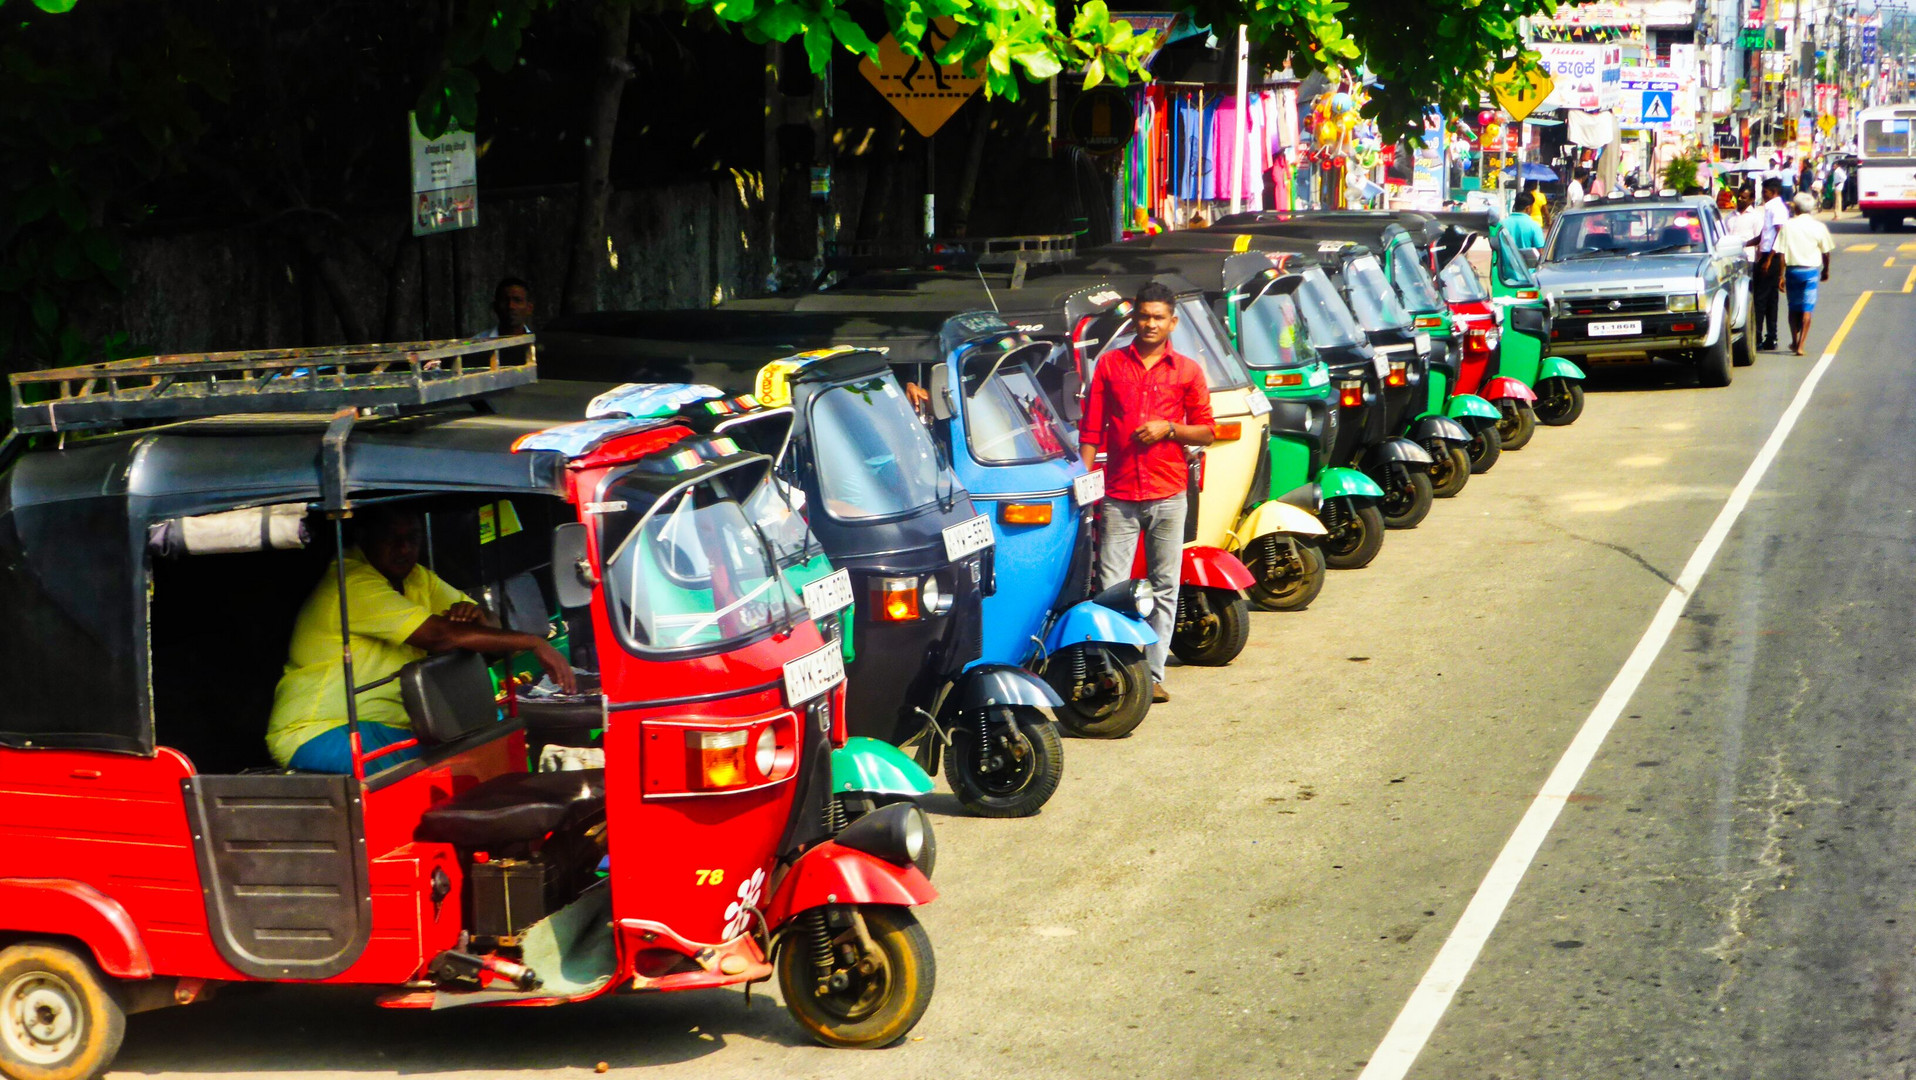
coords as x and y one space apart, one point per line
1088 488
814 673
967 536
829 595
1616 328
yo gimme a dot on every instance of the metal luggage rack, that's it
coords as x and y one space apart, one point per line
376 379
962 253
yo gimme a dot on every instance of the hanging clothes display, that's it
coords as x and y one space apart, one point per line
1183 156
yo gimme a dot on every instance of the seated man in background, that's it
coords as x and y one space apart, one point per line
400 612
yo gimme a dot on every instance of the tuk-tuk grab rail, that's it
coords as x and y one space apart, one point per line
185 386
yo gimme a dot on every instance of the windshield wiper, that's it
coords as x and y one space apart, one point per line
1575 255
1660 249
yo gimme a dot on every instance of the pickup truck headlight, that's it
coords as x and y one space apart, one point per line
1563 307
1685 302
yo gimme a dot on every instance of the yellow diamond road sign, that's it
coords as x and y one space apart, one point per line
925 93
1521 92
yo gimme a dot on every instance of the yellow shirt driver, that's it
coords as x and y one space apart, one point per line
400 612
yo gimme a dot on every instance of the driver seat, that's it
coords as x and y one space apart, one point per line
517 808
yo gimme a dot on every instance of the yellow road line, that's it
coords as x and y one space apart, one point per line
1911 246
1910 281
1850 319
1860 247
1891 261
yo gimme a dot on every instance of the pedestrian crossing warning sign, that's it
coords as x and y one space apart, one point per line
1656 106
925 93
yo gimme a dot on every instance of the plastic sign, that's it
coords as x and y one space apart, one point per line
445 180
1521 92
924 93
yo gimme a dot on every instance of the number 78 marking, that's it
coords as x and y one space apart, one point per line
710 877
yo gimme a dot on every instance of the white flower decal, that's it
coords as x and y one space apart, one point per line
738 914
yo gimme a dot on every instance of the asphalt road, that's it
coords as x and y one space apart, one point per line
1254 883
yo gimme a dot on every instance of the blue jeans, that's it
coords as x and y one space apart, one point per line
331 751
1161 524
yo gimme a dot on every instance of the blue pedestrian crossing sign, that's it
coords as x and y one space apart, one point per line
1656 106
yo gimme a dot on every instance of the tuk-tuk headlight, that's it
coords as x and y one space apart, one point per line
894 833
936 600
765 753
1133 598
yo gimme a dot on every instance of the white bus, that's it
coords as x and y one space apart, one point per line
1886 170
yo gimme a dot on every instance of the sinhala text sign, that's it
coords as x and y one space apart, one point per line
445 181
1587 77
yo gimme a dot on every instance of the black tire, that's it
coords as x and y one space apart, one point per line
1485 448
1743 352
928 858
1022 771
1713 363
1217 640
1518 424
1406 500
872 1011
59 1016
1450 472
1875 223
1559 401
1352 545
1120 709
1297 581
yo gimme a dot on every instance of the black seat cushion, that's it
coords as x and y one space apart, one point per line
514 809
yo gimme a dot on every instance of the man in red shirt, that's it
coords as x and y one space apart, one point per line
1145 404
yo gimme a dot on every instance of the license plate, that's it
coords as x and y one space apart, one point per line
967 536
1088 488
1616 328
1380 363
1259 404
829 595
813 674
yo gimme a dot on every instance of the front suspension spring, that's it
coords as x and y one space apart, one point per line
822 955
1334 515
1077 673
984 737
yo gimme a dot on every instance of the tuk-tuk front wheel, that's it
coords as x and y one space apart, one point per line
1356 533
58 1018
1289 573
1407 495
1486 446
1559 401
1005 761
1106 690
857 987
1450 469
1212 626
1518 424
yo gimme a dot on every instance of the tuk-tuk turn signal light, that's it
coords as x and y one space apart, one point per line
1024 513
1229 432
715 760
1351 397
1397 376
895 599
1428 322
1526 294
1290 378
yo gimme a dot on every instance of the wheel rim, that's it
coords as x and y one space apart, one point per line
1287 576
1102 705
1479 447
1507 427
1016 760
40 1018
1400 497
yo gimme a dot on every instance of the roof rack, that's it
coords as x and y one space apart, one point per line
379 380
958 253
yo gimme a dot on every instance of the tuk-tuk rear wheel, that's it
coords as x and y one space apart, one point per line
1486 446
1117 709
58 1018
876 1007
1407 496
1215 638
1009 769
1518 424
1284 582
1450 470
1559 402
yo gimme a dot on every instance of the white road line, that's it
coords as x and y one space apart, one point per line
1415 1024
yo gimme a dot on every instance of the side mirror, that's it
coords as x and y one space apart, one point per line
1730 246
940 391
1532 258
573 577
1073 390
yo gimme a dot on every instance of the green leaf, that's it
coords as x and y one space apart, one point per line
1092 18
853 36
779 22
502 48
46 314
101 251
1038 61
818 47
34 205
55 7
1093 73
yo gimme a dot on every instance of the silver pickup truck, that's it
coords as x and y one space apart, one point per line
1630 278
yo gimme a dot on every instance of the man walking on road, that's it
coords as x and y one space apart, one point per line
1804 244
1145 404
1769 268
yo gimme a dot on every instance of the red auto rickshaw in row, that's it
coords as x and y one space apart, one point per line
162 521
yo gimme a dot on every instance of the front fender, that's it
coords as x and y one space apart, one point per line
1092 621
1719 319
74 909
833 874
1505 388
1348 484
1274 518
1556 367
1398 450
876 767
1213 568
1309 497
1473 407
1439 427
984 686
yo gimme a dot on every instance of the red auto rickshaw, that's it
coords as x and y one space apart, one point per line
162 520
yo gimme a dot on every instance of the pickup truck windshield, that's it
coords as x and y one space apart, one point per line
1637 230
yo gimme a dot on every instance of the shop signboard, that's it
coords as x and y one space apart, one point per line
1588 77
1649 98
445 180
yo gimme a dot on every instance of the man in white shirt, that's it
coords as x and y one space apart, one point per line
1743 222
1769 268
1573 194
1840 176
1803 245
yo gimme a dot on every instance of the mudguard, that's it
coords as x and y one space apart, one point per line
1719 319
876 767
986 685
1305 497
834 874
1213 568
1473 407
1439 427
1273 518
1398 450
65 908
1347 484
1556 367
1505 388
1091 621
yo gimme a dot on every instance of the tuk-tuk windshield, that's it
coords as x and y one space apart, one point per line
875 459
778 509
693 574
1271 335
1327 318
1511 269
1413 281
1197 337
1373 300
1461 283
1008 418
